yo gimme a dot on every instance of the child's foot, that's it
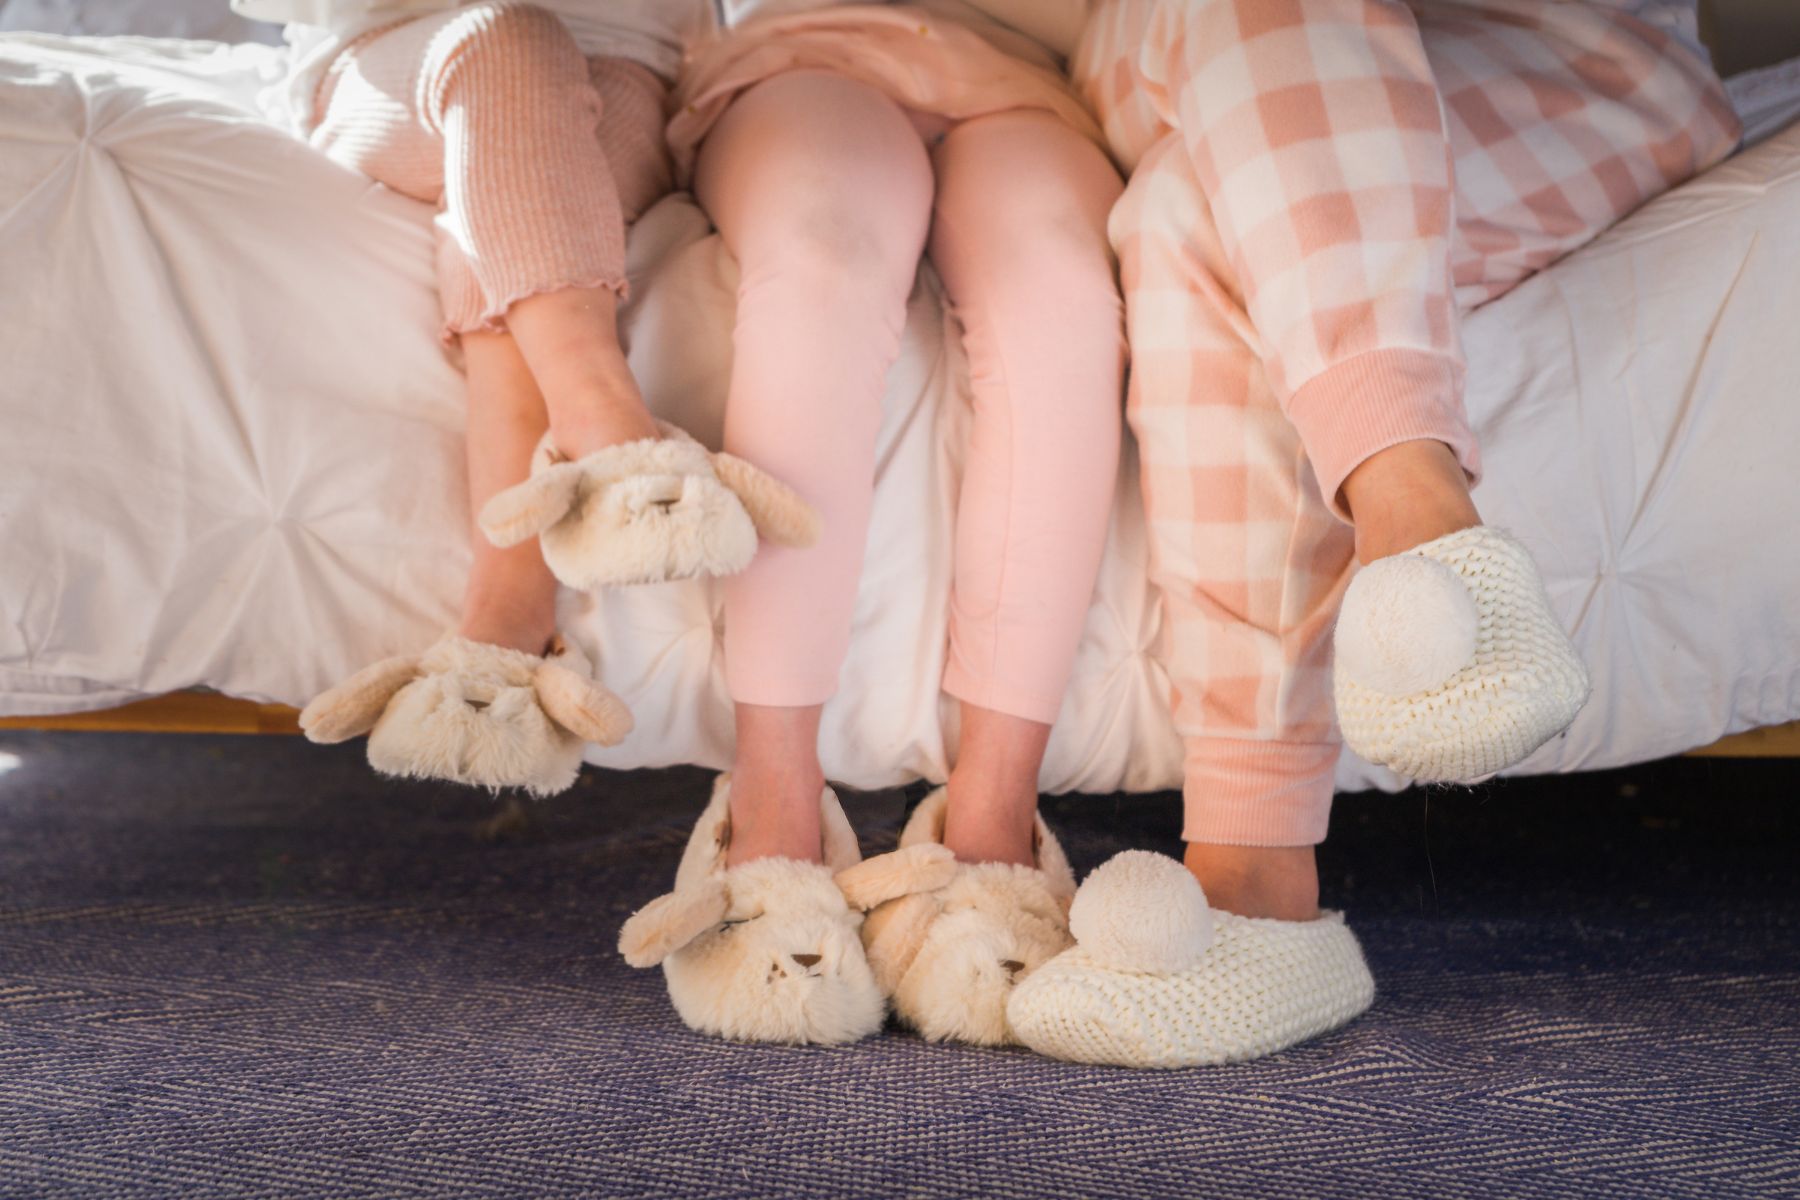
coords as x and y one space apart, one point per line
1449 664
475 713
768 951
950 958
1158 978
646 511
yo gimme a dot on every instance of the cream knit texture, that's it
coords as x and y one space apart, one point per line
1255 987
1479 703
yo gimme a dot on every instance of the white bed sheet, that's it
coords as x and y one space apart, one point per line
232 446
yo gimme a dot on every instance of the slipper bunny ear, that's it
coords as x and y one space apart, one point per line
668 923
580 705
894 934
352 707
527 509
777 511
915 869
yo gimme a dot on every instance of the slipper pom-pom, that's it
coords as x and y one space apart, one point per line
1140 911
1407 625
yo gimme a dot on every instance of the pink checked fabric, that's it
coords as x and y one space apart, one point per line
1319 189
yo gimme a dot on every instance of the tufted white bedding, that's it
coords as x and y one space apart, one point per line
231 445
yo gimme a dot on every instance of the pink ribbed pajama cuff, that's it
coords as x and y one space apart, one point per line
1250 793
1375 400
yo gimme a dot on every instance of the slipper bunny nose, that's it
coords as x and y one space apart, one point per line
806 960
659 491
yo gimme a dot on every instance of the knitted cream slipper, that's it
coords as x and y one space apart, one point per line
646 511
1158 979
769 951
949 958
474 713
1450 665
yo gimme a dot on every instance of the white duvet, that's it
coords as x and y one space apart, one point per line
230 447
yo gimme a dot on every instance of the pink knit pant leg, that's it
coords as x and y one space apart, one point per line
1019 239
491 112
822 190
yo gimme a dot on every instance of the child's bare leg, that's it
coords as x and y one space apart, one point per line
994 787
775 784
511 596
570 339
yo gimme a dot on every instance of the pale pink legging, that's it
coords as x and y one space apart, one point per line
827 193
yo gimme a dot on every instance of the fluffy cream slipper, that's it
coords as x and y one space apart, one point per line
1450 665
646 511
474 713
769 951
949 958
1158 979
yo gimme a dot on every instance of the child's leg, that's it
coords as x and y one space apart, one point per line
1248 557
491 110
511 595
822 190
1291 250
1019 238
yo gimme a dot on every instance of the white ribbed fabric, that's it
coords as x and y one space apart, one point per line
1259 986
1469 712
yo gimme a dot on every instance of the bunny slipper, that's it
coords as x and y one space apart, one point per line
1158 979
949 958
474 713
768 951
1450 665
646 511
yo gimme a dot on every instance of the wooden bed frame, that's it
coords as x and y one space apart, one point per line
210 712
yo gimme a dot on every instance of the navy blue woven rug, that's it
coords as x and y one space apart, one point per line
246 967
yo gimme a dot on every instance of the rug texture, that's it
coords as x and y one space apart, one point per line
248 968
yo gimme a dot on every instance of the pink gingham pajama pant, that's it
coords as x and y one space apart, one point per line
1319 189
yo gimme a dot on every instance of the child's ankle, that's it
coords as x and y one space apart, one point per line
774 814
601 425
512 632
981 825
1405 496
1257 881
